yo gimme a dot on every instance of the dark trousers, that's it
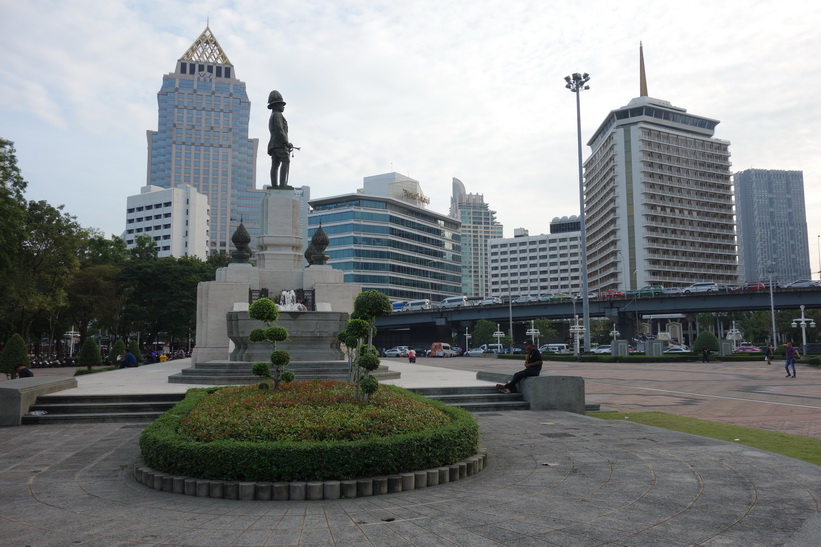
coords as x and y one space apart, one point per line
521 375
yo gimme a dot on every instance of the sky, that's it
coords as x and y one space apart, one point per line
429 89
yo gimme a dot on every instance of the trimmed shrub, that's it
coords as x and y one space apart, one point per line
116 349
165 449
264 310
134 348
89 354
14 353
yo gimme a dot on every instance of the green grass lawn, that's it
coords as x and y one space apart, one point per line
801 448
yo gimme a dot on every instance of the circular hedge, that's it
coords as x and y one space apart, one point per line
166 447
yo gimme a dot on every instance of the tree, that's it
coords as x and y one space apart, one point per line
93 296
706 339
546 329
134 348
12 206
483 332
265 310
89 354
14 353
370 305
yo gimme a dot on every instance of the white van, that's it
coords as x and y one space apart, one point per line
415 305
399 306
454 302
555 348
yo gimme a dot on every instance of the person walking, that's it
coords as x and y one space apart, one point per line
769 354
792 354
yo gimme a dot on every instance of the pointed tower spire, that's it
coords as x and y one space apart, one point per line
206 49
642 74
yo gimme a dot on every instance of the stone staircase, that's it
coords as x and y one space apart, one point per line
65 409
218 373
475 398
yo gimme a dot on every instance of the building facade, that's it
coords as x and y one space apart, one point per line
384 238
177 219
772 225
658 199
202 139
479 225
526 265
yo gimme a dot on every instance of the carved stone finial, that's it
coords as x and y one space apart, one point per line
309 254
241 240
319 242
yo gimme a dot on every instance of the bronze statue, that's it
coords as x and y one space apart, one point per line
279 148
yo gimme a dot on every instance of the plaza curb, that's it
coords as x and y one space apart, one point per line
308 490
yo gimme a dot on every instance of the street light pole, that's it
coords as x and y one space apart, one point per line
773 341
804 322
576 83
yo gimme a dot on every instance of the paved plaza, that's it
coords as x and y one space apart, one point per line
552 478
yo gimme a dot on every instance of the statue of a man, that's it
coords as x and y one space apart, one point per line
279 148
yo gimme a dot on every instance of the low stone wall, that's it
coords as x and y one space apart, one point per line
308 490
17 396
546 392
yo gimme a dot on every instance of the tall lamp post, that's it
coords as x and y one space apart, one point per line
804 322
774 340
576 83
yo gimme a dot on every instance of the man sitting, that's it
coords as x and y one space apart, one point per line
533 366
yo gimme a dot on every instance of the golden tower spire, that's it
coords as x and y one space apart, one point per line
642 73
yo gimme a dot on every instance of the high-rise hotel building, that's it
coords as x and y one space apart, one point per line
658 199
202 139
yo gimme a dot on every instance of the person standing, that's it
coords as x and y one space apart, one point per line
705 354
411 355
533 367
769 354
792 354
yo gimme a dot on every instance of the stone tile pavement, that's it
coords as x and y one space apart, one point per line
552 478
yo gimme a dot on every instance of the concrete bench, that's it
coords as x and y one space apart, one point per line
548 392
17 396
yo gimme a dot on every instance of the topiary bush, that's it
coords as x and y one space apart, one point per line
165 448
116 349
89 354
14 353
134 348
265 310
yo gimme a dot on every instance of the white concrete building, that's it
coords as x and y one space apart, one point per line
658 199
177 219
526 265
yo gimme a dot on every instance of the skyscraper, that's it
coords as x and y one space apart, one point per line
772 225
658 199
202 139
479 225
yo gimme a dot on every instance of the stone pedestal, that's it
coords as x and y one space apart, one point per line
214 300
280 245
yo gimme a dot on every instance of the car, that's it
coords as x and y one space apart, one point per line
754 286
747 349
673 290
475 352
545 297
611 294
677 349
602 349
398 351
560 297
651 290
490 301
802 284
709 286
579 296
525 299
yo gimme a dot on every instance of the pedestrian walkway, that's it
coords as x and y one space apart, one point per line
552 478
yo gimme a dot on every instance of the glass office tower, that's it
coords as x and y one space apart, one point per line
202 139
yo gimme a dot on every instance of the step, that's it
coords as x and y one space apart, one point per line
103 408
54 419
